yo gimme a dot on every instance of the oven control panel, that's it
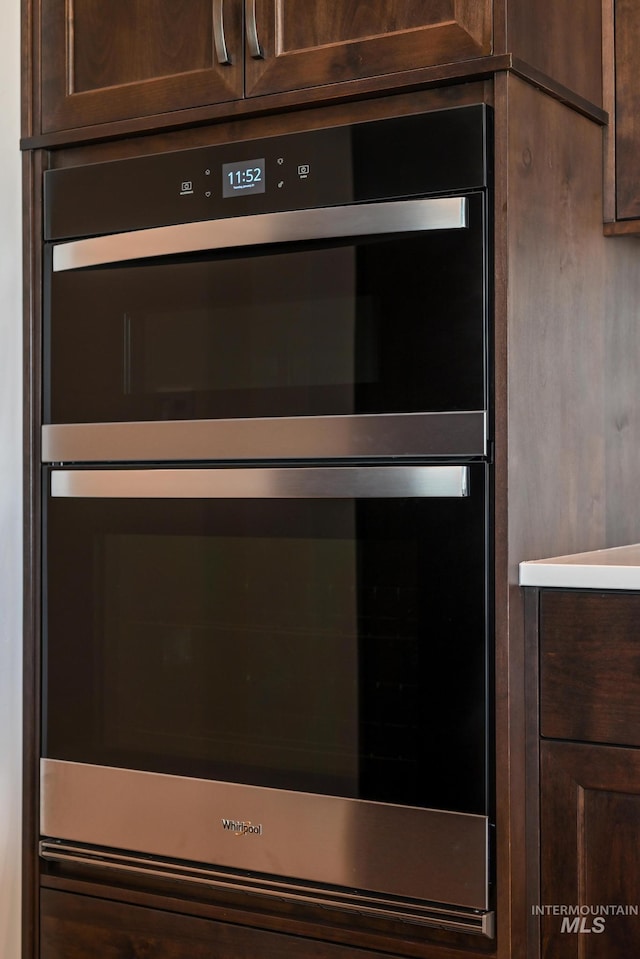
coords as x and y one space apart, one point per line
265 176
441 152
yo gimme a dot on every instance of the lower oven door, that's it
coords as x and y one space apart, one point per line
280 671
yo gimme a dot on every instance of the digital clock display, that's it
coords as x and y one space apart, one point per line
244 177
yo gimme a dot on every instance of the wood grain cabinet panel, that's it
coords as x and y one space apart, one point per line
562 39
129 58
83 927
307 44
627 109
590 666
590 839
152 44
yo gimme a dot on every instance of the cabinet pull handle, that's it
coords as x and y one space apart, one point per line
218 34
255 49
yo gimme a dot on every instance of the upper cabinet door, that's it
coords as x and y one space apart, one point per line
292 44
110 60
105 61
627 109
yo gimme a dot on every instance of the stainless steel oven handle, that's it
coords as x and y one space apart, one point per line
360 219
331 482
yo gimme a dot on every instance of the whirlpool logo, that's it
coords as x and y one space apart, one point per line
239 827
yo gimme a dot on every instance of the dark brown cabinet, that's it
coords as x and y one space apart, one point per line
589 774
622 93
74 925
99 70
590 666
85 927
131 58
590 832
307 44
137 58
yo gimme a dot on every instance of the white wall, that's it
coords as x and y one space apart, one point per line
10 482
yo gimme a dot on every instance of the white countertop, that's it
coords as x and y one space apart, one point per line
615 568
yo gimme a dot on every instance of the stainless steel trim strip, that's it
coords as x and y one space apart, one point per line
403 216
304 437
330 482
457 920
399 851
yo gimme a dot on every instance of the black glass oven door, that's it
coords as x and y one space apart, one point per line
320 630
392 321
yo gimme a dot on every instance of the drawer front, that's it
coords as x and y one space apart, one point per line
87 927
590 666
83 927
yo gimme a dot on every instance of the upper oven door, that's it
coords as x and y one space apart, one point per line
279 335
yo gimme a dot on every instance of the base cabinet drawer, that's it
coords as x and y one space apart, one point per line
83 927
590 666
78 926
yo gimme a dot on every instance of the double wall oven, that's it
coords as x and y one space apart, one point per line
267 517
